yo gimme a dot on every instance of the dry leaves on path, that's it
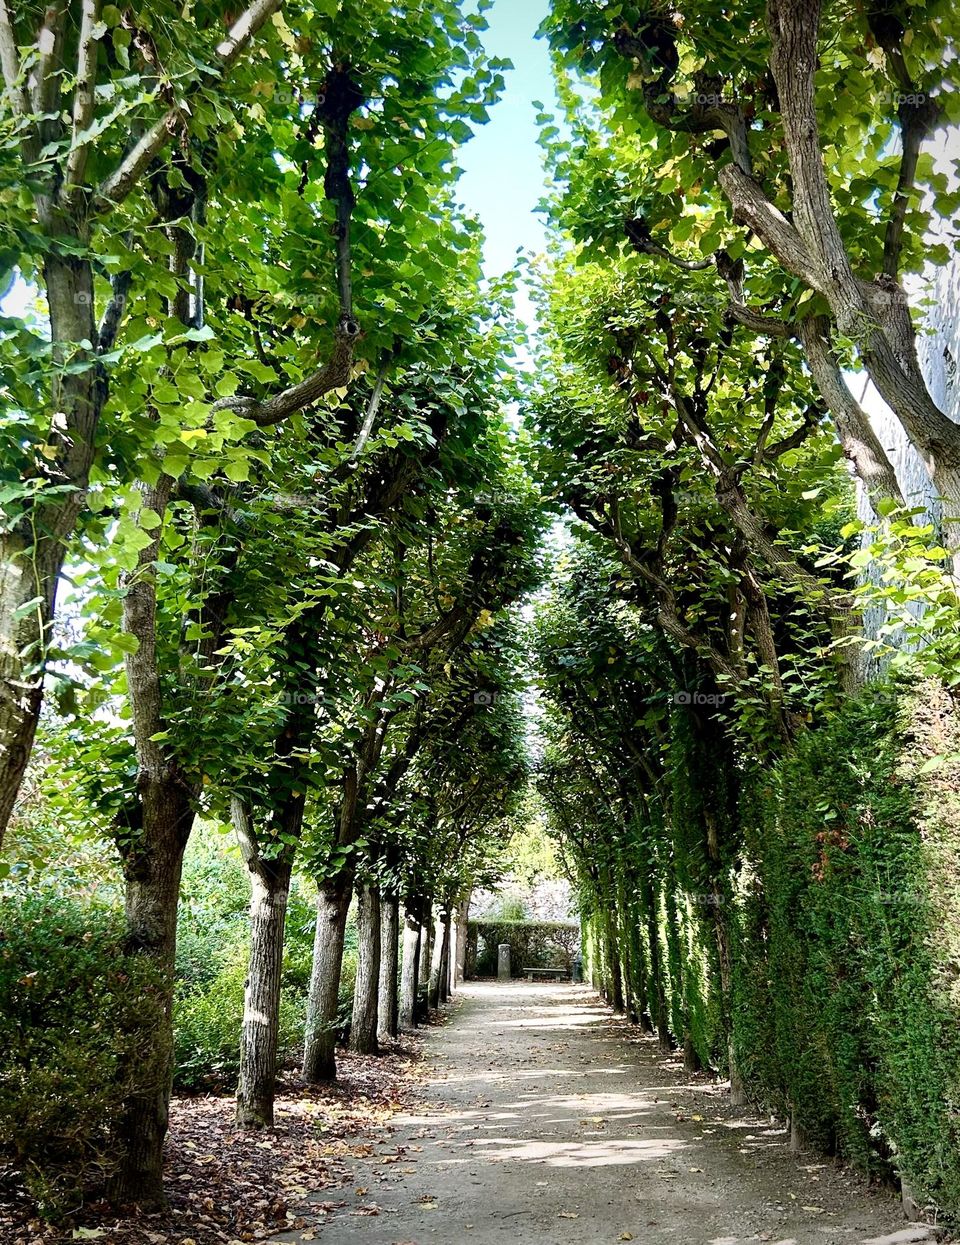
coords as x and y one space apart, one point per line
230 1187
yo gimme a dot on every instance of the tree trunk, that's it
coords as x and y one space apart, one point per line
410 972
426 944
270 883
435 989
363 1028
738 1093
444 971
426 960
613 963
594 968
388 1002
152 869
638 963
625 965
33 549
463 918
320 1039
661 1015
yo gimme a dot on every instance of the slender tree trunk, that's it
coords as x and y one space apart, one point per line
613 963
681 1009
33 548
444 985
320 1039
426 960
639 973
625 965
435 993
594 966
363 1028
661 1015
738 1093
426 944
23 632
388 1001
270 890
410 971
152 869
463 933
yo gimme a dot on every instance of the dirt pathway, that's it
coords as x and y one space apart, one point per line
545 1120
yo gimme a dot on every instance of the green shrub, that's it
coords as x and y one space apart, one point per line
207 1021
75 1019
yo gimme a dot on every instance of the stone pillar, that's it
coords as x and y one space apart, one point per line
503 962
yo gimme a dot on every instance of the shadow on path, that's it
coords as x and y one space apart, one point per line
546 1120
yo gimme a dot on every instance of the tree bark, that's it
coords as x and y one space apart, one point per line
444 982
426 961
363 1028
435 991
458 967
153 834
152 868
320 1039
661 1015
270 890
33 550
615 985
388 1001
410 971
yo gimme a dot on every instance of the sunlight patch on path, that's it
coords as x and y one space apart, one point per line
580 1154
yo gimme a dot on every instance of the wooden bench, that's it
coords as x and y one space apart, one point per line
558 972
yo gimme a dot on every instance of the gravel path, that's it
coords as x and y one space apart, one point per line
546 1120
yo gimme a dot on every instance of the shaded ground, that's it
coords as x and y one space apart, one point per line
228 1187
545 1120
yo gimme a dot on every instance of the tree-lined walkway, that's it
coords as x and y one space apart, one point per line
546 1119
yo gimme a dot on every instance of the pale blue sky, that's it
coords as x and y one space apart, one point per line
503 177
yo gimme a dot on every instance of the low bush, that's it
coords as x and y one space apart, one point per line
75 1015
212 949
207 1023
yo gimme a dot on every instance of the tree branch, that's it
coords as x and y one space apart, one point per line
118 184
10 63
83 100
44 81
334 374
640 238
793 26
341 97
917 121
860 443
113 313
373 405
752 208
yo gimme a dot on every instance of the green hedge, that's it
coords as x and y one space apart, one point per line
847 971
